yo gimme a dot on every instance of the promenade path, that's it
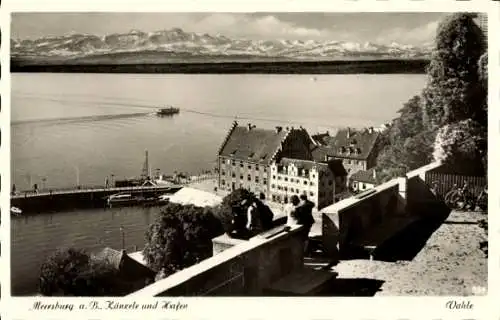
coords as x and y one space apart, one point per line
41 193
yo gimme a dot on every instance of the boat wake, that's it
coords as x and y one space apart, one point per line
56 121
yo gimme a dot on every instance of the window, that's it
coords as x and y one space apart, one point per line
311 183
265 169
313 175
249 178
305 182
241 164
273 186
330 182
285 188
257 179
223 182
234 175
257 167
241 176
297 190
228 162
311 194
274 177
233 163
279 178
223 172
279 187
286 179
364 186
265 181
249 167
274 197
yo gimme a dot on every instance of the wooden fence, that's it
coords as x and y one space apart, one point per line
444 182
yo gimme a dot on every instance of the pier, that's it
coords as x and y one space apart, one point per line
89 197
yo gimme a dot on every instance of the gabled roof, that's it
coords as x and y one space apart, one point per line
337 168
304 164
111 256
321 138
353 144
319 153
347 143
333 165
253 144
366 176
125 265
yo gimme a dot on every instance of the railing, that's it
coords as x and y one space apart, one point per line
89 189
442 183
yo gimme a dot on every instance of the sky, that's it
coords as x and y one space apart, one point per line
408 28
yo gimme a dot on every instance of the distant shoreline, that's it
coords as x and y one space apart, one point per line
393 66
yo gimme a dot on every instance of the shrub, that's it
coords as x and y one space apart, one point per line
72 272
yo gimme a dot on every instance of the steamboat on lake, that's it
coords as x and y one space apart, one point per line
169 111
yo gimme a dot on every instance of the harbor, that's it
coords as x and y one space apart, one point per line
146 190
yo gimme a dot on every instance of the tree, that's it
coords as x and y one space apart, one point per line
72 272
483 69
407 144
462 145
453 89
456 91
180 236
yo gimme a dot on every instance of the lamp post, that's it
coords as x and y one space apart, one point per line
122 231
77 172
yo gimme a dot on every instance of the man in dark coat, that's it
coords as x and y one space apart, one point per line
305 217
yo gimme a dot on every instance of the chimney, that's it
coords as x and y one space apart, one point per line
278 129
370 130
348 132
249 126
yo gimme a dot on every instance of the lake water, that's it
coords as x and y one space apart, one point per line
61 125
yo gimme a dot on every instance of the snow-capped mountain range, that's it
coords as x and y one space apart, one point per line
176 41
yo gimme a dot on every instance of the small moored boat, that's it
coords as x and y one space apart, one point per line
167 111
122 199
164 198
16 211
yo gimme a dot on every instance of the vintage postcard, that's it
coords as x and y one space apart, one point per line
206 161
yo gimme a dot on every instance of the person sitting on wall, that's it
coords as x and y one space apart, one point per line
259 217
300 213
254 221
291 211
266 214
240 221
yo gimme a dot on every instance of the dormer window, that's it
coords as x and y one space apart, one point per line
342 150
251 155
